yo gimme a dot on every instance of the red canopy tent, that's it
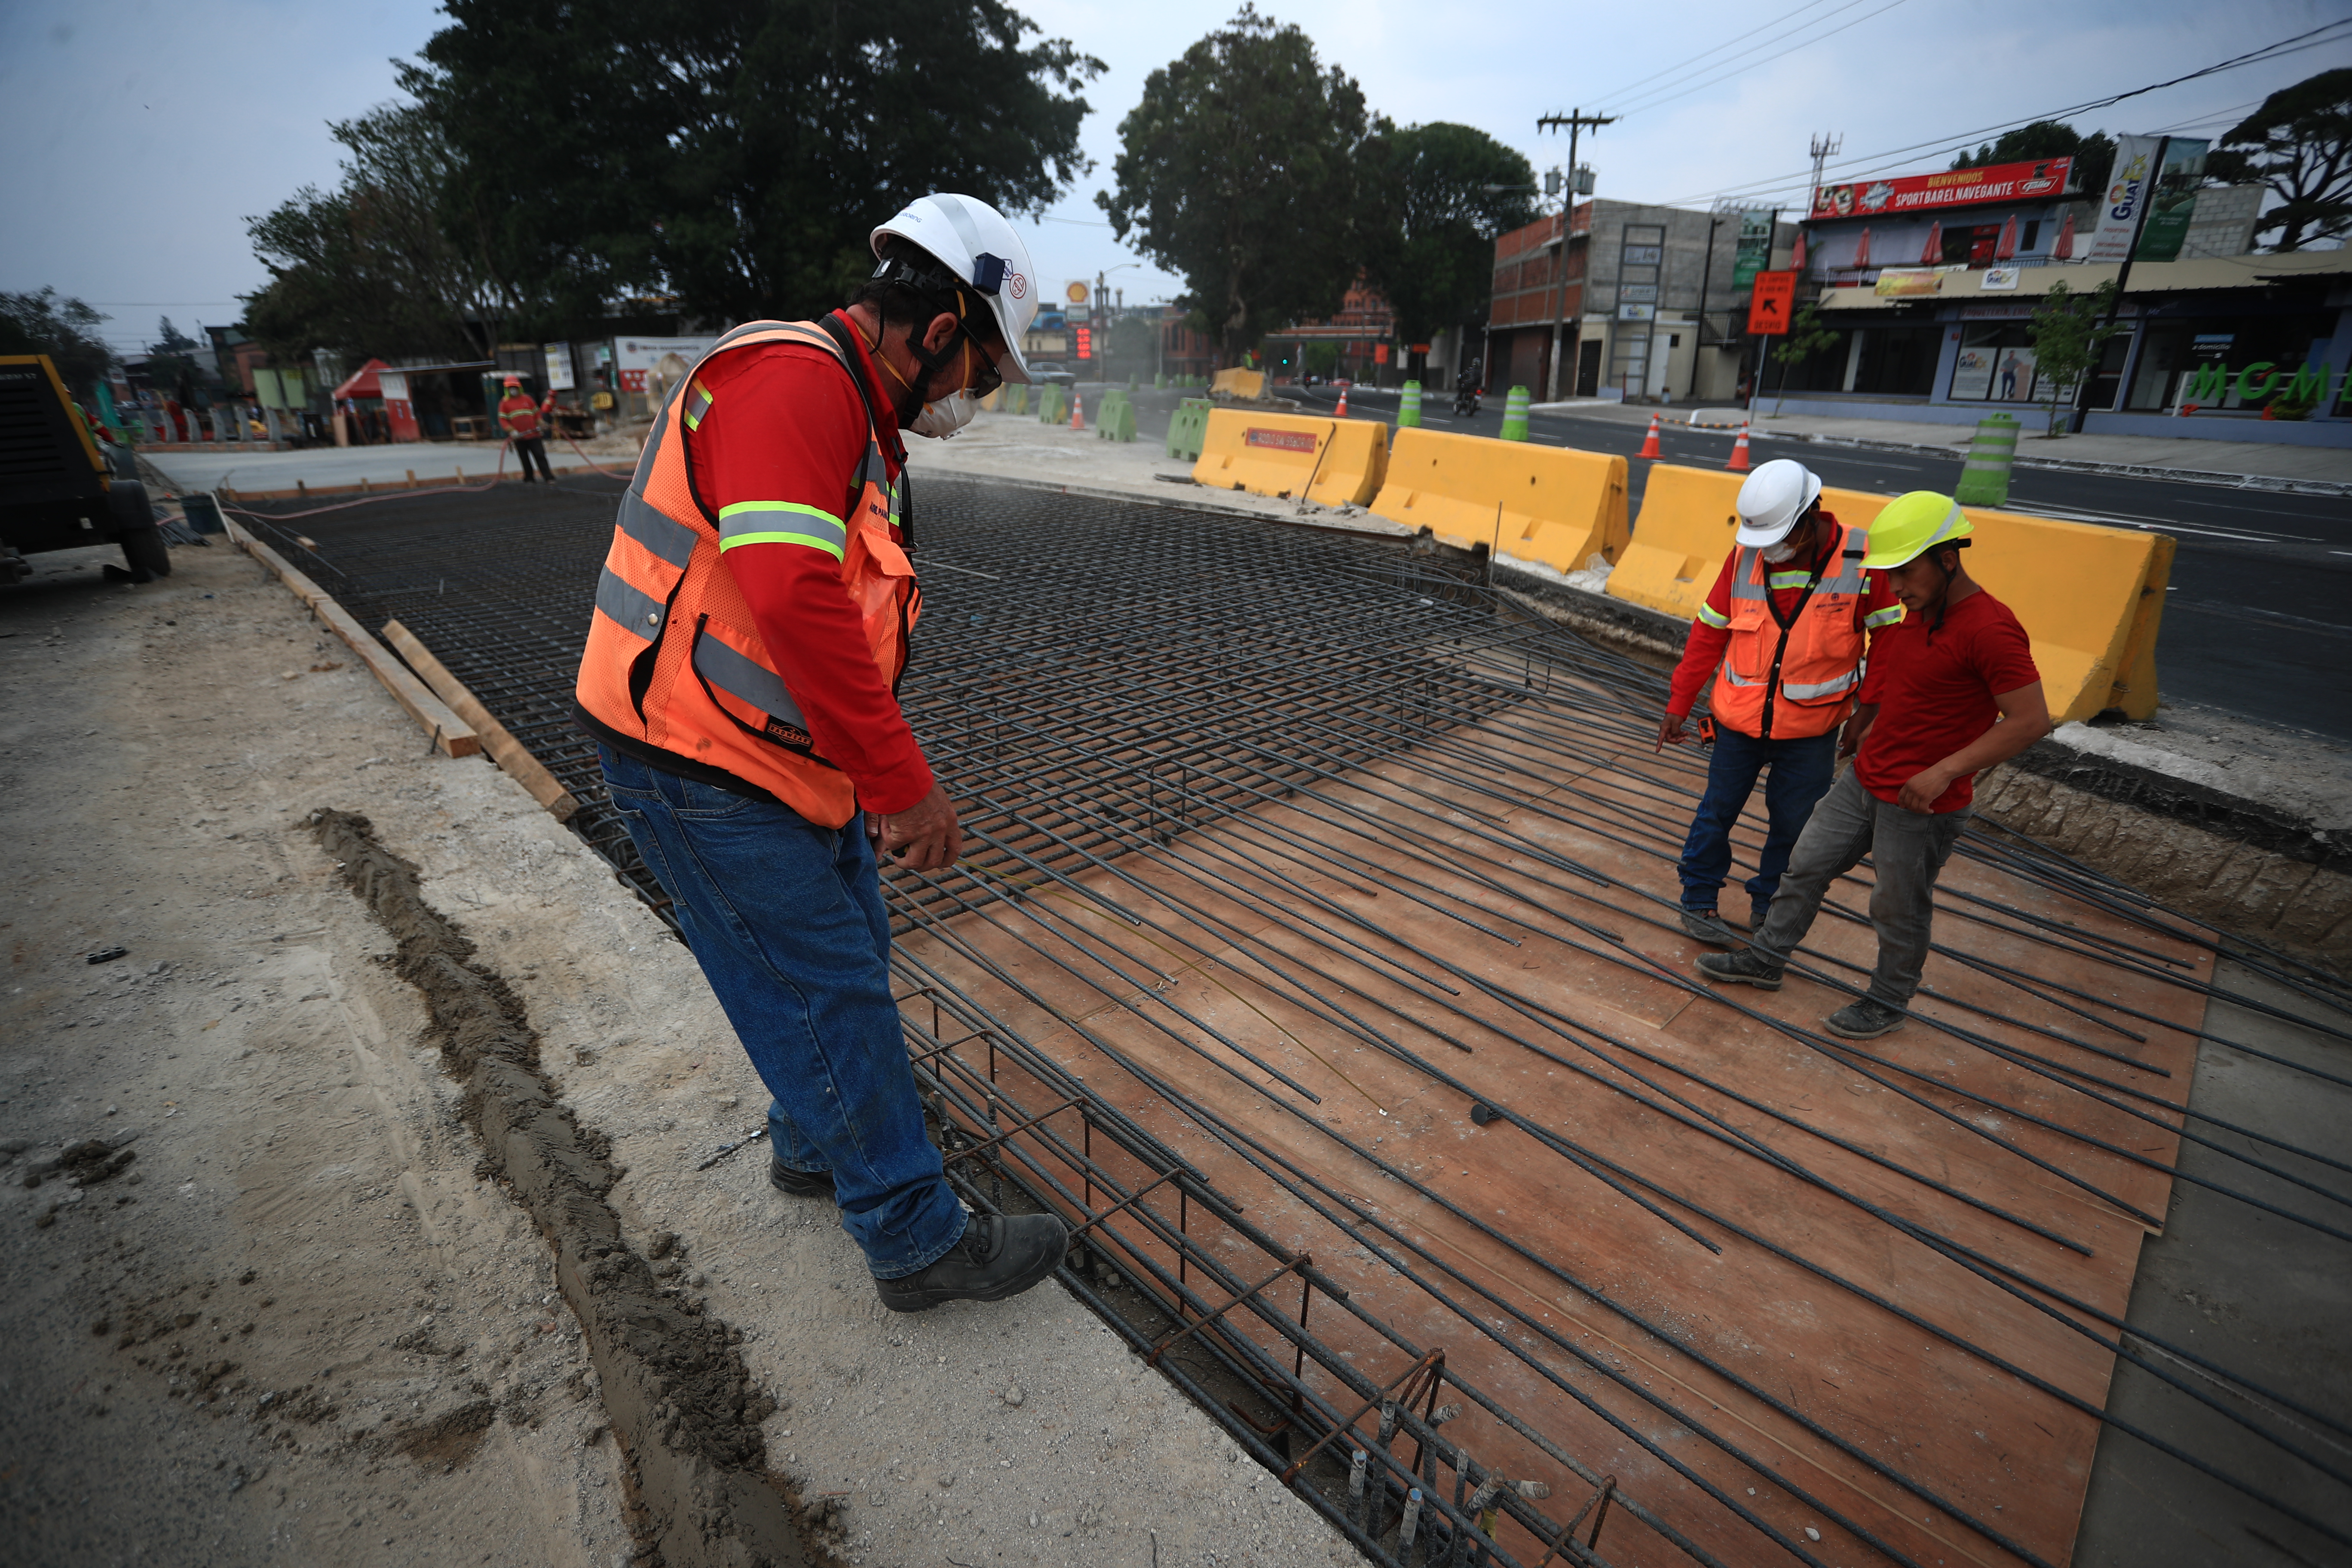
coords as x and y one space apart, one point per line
2005 250
1934 253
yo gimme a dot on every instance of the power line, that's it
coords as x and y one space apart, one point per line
1718 48
2285 47
1655 102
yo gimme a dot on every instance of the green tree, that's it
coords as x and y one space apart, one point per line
172 366
2093 155
732 157
44 323
1435 198
391 262
1805 338
2069 336
2299 143
1238 170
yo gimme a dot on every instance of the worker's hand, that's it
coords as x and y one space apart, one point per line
1670 732
1922 789
924 837
1850 738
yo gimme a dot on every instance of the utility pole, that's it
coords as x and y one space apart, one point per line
1576 120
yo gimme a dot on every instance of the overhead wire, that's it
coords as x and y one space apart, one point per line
1653 100
1878 161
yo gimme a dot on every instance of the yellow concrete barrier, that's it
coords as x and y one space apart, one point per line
2090 597
1546 504
1334 462
1238 383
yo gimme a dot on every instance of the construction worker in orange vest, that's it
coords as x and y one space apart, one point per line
740 680
1782 635
519 416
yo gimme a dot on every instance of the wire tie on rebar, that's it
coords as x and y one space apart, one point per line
1124 1202
1015 1130
1403 1389
1601 1495
1300 1262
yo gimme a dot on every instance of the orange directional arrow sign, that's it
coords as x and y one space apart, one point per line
1769 308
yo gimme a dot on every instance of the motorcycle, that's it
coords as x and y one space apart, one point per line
1465 401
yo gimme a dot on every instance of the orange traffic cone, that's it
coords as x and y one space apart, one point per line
1343 403
1077 410
1650 441
1739 464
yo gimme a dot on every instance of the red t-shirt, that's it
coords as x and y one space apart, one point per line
784 424
1935 691
1710 633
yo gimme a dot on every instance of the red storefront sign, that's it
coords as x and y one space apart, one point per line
1952 188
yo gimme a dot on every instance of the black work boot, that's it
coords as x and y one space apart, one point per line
1864 1020
1000 1255
1746 967
799 1183
1708 927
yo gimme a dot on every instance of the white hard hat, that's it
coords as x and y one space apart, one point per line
972 240
1772 498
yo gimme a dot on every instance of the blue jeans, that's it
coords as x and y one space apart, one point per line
1799 776
787 921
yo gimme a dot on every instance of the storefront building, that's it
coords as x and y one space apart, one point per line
1649 302
1927 287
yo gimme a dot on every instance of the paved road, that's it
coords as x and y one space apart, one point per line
2259 621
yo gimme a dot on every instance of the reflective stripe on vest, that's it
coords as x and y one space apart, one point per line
1817 658
746 681
674 657
781 522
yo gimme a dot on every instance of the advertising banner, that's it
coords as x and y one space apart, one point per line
1907 282
1952 188
2138 179
559 367
1755 252
2175 200
643 362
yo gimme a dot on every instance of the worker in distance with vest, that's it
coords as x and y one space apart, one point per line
750 631
1952 690
519 416
1782 635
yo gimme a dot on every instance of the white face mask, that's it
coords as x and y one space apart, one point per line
1776 553
942 419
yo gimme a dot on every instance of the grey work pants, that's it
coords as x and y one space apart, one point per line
1907 850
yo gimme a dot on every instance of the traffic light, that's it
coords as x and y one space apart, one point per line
1085 342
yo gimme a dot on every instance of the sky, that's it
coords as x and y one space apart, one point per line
141 135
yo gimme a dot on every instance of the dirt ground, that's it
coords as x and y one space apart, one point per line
266 1305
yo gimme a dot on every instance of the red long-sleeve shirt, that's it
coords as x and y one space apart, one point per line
1711 635
785 425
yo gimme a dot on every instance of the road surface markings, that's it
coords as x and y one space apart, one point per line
2124 519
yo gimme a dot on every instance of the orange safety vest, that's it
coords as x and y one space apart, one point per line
520 415
1788 682
674 657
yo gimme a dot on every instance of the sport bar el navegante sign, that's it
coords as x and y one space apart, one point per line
1952 188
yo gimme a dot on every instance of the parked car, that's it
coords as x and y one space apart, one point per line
58 491
1042 373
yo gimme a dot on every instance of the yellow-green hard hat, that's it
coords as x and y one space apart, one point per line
1913 524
